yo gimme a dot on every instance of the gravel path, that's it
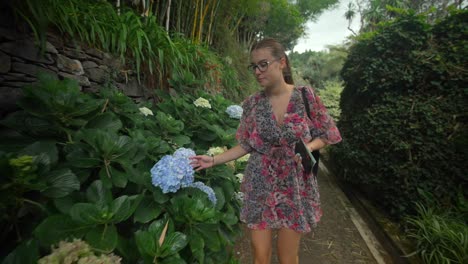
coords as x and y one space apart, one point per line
341 237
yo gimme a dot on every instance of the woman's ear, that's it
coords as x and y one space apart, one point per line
283 62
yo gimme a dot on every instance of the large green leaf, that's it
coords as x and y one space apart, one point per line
105 177
89 214
220 200
148 210
26 253
60 183
105 121
139 175
173 243
181 140
197 245
60 101
126 249
111 147
229 217
43 147
97 194
81 159
64 204
210 235
22 122
56 228
103 237
206 135
147 243
159 196
168 123
119 178
173 259
123 207
194 209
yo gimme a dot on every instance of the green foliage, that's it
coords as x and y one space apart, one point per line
330 96
86 175
404 112
318 68
441 235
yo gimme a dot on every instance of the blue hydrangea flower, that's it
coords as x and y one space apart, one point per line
205 189
234 111
183 153
171 173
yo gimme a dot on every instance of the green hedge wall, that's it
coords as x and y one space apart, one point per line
404 112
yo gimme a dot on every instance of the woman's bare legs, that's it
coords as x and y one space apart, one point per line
288 246
261 245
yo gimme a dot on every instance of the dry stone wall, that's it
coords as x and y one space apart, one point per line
21 61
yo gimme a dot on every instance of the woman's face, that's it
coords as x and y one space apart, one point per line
267 69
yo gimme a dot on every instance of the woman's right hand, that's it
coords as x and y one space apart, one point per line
200 162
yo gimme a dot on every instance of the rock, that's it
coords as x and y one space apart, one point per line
74 53
19 77
132 88
112 62
30 69
50 48
95 53
97 74
89 64
16 84
17 59
5 63
8 98
68 65
82 80
7 34
26 49
93 88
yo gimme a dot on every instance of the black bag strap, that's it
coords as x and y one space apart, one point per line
315 153
306 102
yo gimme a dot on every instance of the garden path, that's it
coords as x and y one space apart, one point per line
341 237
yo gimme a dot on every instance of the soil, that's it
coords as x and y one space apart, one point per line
336 239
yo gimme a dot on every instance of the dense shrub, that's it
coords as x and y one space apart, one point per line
404 112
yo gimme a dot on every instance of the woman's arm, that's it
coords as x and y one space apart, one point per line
200 162
316 144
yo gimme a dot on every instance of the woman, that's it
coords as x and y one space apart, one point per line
278 193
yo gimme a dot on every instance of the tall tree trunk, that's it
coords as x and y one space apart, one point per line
195 19
168 15
214 11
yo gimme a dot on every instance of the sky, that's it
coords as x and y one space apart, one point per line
331 28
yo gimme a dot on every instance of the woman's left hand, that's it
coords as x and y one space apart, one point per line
201 162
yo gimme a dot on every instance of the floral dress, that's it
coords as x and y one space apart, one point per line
277 191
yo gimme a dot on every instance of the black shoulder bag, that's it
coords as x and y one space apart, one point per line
300 147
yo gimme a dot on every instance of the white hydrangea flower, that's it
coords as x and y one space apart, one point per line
244 158
216 150
202 102
240 177
239 196
145 111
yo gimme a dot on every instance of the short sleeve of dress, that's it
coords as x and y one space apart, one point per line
324 126
244 130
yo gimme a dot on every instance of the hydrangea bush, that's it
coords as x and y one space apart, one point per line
114 176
